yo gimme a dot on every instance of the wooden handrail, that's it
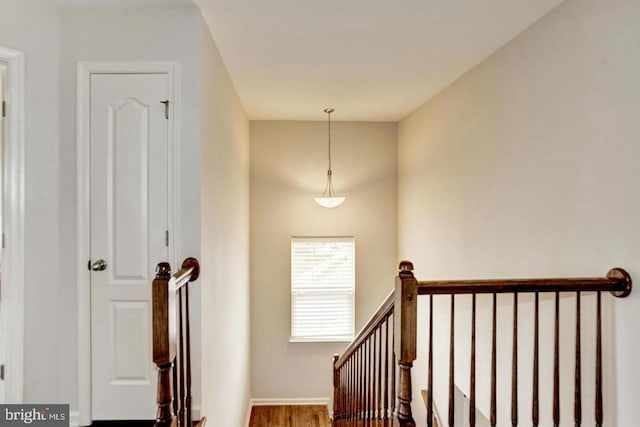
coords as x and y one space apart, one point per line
618 282
189 272
385 309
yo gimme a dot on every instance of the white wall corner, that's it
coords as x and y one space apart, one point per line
248 417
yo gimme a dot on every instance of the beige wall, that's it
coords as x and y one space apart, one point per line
288 168
224 197
528 166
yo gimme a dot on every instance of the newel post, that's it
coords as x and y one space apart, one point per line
163 344
336 385
405 325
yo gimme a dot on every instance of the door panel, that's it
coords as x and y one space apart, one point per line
129 137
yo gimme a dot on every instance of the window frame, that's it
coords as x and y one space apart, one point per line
328 338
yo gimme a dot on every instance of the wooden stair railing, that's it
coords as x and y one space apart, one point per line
365 391
172 343
364 376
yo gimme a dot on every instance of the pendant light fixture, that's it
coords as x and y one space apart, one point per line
328 198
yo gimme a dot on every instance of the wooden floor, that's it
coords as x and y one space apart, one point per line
289 416
119 423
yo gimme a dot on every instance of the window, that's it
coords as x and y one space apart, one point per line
322 288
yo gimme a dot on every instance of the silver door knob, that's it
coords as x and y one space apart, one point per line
99 265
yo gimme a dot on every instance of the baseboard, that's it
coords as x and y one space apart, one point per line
74 419
285 402
195 412
291 401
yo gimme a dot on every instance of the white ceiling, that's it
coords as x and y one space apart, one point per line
372 60
369 59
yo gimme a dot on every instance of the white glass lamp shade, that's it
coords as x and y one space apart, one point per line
329 202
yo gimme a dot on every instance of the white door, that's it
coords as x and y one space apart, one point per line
129 184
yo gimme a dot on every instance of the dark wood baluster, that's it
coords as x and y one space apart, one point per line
598 408
430 373
472 381
365 373
386 372
363 391
175 381
577 404
349 400
514 364
360 401
492 415
353 403
352 388
347 393
556 365
347 397
337 392
363 415
357 383
393 368
180 359
535 410
374 342
452 363
365 385
343 381
187 396
357 402
370 363
379 405
353 394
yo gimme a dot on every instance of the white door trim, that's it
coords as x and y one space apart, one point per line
84 72
14 265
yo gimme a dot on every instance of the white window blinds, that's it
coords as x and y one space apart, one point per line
322 288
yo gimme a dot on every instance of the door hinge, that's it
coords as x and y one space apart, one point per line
4 241
2 372
166 238
4 108
166 108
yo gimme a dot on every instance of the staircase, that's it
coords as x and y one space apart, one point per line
373 377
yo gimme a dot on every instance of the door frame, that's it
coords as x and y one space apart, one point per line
13 270
84 71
